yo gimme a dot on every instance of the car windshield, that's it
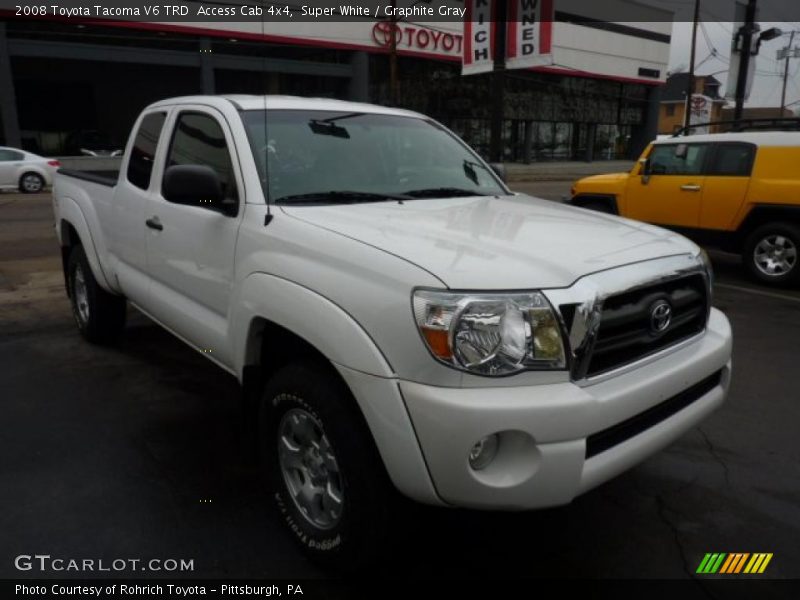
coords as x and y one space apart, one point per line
339 157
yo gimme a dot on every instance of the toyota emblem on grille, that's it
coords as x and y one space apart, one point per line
660 316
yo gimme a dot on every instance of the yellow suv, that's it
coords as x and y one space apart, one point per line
736 191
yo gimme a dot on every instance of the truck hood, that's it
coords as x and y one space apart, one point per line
511 242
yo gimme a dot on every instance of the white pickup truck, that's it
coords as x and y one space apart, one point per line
403 320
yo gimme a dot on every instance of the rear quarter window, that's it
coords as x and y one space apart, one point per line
140 164
732 160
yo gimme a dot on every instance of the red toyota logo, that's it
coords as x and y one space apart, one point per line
382 33
698 103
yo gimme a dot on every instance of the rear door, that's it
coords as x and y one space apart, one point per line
127 240
10 161
672 194
191 247
726 183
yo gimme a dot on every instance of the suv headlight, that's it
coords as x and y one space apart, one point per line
490 334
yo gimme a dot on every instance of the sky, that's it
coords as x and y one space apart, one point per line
716 36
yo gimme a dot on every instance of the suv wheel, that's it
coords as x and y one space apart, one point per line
771 254
323 469
31 183
100 316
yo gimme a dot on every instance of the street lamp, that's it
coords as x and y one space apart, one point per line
747 42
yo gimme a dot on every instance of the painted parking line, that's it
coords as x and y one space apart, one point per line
757 292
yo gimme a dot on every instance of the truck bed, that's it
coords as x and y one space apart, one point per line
105 177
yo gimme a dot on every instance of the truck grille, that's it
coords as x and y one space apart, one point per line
641 322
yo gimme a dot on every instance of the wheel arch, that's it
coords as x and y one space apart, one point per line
282 321
609 200
763 215
73 230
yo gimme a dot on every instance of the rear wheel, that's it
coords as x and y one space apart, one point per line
323 468
31 183
771 254
100 316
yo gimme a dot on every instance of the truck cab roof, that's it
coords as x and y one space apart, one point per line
277 102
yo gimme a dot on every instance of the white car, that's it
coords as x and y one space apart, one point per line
399 320
24 171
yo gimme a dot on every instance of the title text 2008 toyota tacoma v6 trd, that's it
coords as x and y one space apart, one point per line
409 323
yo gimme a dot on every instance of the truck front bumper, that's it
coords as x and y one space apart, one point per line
559 440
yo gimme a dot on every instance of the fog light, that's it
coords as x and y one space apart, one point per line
483 452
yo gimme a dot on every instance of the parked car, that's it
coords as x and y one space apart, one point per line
25 171
398 319
736 191
90 143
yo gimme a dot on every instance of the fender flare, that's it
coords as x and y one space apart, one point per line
70 212
307 314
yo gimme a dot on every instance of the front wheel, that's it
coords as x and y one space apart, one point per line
31 183
100 316
771 254
325 475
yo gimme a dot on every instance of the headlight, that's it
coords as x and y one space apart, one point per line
490 334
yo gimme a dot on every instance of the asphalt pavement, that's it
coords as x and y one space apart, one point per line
134 452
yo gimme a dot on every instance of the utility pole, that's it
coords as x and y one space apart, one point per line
746 41
786 71
393 91
498 83
687 111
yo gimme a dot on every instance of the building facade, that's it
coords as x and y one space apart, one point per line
599 98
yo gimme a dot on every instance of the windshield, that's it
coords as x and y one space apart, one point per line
324 156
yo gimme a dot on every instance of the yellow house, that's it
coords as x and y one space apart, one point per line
673 100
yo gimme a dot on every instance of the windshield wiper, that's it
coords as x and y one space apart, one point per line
339 196
443 192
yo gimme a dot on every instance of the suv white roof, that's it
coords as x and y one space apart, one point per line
253 102
759 138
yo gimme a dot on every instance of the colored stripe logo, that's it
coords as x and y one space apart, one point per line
734 563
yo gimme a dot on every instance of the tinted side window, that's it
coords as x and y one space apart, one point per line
199 140
663 160
140 165
733 160
6 155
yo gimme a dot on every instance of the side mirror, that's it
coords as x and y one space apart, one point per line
195 185
644 170
500 171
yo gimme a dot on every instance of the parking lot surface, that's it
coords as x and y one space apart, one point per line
134 452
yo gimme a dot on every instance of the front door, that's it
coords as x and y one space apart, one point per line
672 194
191 248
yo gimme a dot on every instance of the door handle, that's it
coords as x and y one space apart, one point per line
154 223
691 188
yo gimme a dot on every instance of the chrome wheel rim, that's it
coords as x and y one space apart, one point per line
775 255
81 295
31 183
310 469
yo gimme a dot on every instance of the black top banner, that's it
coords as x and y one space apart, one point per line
177 11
